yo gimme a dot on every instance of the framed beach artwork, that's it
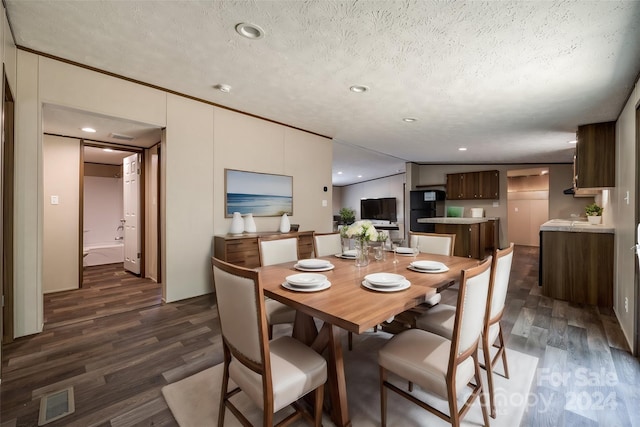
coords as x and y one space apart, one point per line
260 194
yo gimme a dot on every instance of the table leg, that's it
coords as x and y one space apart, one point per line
336 379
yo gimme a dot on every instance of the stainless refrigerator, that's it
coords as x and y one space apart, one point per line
425 204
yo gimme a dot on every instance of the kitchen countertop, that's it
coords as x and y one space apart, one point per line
450 220
575 226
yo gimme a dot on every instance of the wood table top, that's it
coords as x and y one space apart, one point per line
349 305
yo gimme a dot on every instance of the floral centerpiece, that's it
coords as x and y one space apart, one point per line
361 232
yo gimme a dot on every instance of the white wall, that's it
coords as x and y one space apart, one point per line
624 216
61 177
103 208
188 182
244 143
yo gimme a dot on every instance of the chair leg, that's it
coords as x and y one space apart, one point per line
483 400
223 396
270 332
383 397
504 353
488 364
319 400
410 386
350 339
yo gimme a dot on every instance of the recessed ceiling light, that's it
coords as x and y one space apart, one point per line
340 173
108 150
462 149
223 88
572 142
90 130
359 88
250 31
409 120
359 176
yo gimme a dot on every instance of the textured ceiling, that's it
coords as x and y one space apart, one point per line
509 80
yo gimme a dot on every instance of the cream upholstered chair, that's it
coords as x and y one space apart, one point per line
433 243
440 366
326 244
273 374
276 250
440 319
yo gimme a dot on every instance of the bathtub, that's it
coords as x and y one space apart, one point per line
103 253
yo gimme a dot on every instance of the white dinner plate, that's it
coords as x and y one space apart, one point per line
325 285
306 279
401 287
384 279
403 250
410 267
313 263
428 265
325 268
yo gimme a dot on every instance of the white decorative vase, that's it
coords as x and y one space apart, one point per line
285 225
594 220
237 224
249 224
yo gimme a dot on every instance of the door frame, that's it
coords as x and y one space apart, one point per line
636 281
8 187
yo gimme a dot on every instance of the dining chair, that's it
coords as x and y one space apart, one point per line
276 249
440 366
326 244
430 243
273 374
440 319
433 243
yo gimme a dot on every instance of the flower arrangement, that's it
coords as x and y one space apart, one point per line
361 230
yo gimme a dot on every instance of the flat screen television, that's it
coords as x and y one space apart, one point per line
379 209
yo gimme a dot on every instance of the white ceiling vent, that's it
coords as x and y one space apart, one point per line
121 136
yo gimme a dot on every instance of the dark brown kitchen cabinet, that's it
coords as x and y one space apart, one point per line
577 267
595 161
468 238
473 185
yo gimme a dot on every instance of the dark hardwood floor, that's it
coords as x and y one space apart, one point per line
118 345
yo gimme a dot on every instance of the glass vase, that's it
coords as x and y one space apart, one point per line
362 253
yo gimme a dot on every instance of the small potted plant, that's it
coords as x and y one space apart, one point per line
594 213
347 216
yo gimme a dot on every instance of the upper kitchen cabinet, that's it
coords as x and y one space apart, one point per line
473 185
595 161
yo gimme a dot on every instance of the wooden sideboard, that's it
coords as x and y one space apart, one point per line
242 249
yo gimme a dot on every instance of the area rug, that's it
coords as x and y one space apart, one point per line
194 400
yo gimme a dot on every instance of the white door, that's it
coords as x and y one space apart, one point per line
131 194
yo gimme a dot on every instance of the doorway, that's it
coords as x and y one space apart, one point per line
527 204
110 212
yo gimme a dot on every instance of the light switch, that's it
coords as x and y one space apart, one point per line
54 200
324 203
515 209
496 204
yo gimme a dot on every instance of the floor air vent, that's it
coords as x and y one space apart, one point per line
56 405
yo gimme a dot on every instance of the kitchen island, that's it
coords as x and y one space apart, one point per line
576 262
475 237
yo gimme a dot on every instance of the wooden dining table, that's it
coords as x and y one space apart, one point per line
347 305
